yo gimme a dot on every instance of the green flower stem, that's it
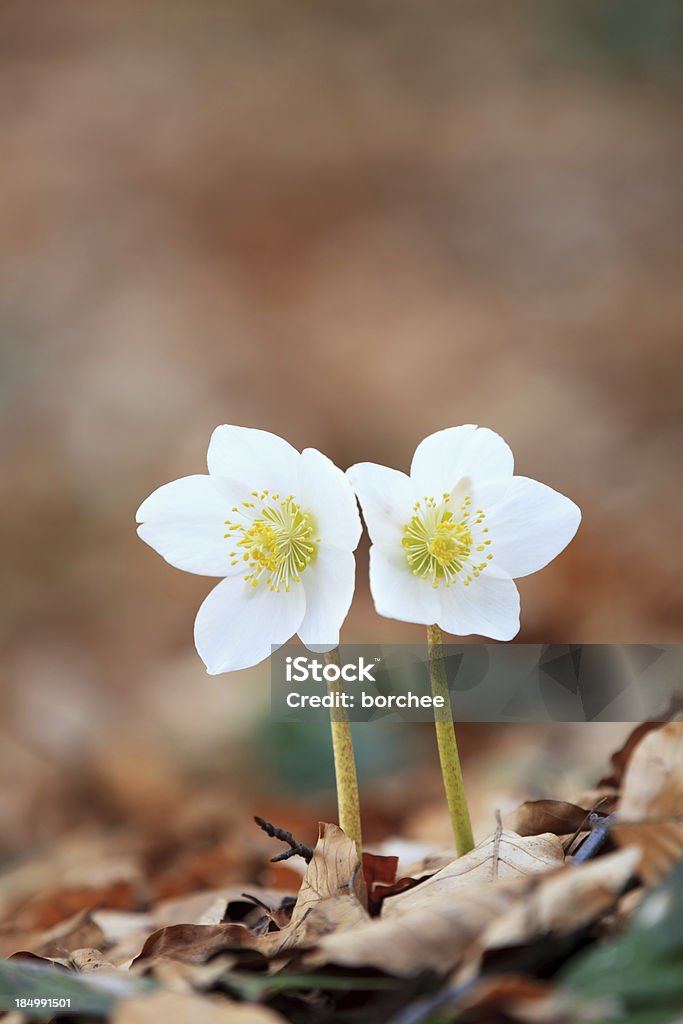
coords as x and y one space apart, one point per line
448 747
348 801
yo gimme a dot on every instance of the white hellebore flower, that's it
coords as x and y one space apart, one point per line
448 540
280 526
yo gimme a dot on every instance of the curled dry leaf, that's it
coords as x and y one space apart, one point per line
33 958
535 817
650 811
503 855
333 871
378 870
332 897
193 943
620 759
179 1008
381 881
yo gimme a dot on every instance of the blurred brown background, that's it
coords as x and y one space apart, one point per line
351 224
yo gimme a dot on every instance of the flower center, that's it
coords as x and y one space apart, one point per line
276 538
443 544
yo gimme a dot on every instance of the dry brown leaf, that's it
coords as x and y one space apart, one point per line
661 844
25 954
332 895
89 960
650 812
379 871
193 943
535 817
181 1008
333 871
431 938
77 931
503 855
381 880
620 759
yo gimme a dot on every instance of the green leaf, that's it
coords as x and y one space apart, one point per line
255 986
638 975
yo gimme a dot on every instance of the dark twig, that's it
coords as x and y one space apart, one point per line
586 824
296 849
600 828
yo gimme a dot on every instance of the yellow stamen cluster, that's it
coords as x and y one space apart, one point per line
276 539
442 544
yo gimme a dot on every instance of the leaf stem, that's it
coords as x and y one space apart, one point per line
348 801
448 747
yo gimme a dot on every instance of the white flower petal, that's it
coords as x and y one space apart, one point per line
386 498
184 521
256 458
488 606
443 458
487 494
237 624
326 492
397 592
329 583
530 526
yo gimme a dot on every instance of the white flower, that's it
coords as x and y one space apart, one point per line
448 540
280 526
